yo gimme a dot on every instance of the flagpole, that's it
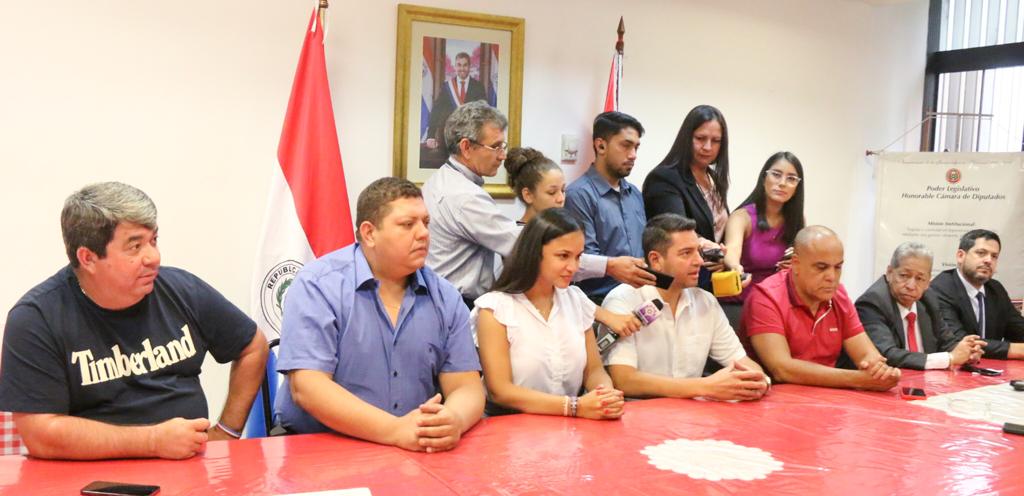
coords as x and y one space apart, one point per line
321 10
611 95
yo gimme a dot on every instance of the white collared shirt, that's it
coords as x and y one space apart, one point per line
972 294
674 345
938 360
467 229
547 355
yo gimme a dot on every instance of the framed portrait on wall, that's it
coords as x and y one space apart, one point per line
447 58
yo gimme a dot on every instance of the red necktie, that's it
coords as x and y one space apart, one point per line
911 333
462 92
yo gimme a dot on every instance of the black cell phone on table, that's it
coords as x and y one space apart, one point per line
662 280
1011 428
107 488
981 370
909 393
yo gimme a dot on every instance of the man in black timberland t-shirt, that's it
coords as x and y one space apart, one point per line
102 359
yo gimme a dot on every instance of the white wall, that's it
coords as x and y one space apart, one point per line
185 100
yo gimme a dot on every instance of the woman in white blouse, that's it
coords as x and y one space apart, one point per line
535 333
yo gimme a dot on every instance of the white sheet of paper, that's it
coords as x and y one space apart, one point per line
359 491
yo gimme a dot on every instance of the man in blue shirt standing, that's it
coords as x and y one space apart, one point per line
375 345
609 207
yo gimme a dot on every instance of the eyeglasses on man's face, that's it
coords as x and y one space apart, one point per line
497 148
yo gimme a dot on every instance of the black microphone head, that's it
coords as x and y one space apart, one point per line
658 303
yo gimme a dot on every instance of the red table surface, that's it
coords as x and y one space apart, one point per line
830 441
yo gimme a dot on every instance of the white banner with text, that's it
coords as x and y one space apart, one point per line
934 198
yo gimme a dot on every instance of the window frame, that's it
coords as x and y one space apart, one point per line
960 60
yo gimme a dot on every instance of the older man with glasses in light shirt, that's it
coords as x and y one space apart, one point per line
466 226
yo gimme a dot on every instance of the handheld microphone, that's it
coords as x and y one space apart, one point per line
727 283
647 312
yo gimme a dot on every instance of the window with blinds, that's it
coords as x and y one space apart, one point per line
978 23
974 81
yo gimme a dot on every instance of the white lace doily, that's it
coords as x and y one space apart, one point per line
995 404
712 460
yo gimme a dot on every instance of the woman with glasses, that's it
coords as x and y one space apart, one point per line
761 230
534 329
693 180
537 181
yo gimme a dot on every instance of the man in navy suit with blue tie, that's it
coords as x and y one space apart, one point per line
975 303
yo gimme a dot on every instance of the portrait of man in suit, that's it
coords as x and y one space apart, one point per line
902 318
464 78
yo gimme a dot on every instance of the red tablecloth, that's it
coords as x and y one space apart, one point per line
830 441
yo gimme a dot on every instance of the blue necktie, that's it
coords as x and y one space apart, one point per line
981 313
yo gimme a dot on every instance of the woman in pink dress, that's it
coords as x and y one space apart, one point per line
760 231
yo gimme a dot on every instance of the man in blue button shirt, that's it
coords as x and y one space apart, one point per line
609 207
375 345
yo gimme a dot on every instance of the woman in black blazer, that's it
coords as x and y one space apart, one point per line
685 178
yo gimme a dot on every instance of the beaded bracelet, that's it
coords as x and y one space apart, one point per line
229 431
565 406
575 402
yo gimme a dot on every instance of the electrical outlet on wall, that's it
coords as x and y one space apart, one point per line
570 147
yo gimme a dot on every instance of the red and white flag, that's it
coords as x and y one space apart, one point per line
307 212
611 95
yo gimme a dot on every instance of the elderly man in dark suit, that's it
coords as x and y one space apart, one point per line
903 320
972 300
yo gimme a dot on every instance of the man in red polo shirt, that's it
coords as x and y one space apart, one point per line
799 320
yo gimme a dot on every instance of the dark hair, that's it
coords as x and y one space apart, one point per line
462 55
659 230
681 153
374 201
967 240
523 266
526 167
792 211
608 124
91 215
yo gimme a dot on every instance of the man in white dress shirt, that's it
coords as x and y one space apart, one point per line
466 226
667 357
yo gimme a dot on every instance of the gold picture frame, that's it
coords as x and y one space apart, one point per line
434 47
